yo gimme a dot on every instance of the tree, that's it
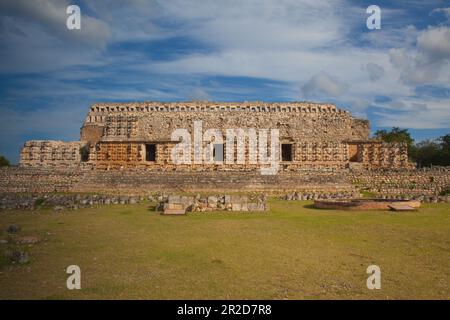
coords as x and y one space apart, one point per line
432 152
425 153
445 142
395 135
4 162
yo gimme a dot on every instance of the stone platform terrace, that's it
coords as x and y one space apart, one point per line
417 183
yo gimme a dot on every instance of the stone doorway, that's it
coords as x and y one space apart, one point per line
150 152
353 152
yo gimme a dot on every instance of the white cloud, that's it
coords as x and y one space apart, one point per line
259 25
50 15
302 44
35 37
324 84
392 37
415 114
427 63
374 70
435 43
445 11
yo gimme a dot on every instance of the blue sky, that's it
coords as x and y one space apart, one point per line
279 50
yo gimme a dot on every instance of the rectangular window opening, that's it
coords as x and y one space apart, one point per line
286 152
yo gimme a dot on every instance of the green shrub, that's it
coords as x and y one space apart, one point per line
4 162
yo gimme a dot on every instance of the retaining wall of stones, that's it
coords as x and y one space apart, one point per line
21 201
336 183
320 195
142 181
409 183
40 180
198 203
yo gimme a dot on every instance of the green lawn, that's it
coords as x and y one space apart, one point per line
291 252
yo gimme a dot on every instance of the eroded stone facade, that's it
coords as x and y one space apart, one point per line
40 153
138 136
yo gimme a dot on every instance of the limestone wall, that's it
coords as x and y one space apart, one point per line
375 155
91 133
426 181
360 129
141 181
156 121
37 153
42 179
115 136
306 155
144 181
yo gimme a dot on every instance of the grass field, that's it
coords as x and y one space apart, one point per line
291 252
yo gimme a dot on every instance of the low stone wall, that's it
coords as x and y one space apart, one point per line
38 180
307 183
320 195
34 180
20 201
424 182
216 202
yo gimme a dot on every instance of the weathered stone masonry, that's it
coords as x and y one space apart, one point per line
138 136
125 148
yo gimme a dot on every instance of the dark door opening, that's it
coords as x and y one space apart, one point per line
286 152
150 152
84 152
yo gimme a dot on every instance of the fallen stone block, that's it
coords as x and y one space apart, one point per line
399 207
174 209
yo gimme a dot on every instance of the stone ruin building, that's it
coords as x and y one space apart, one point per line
120 136
126 149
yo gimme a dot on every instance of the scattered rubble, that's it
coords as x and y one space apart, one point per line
60 202
175 204
27 240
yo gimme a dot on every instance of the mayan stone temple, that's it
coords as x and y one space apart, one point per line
118 136
128 148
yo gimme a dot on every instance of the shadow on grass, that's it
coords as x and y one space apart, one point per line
311 206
